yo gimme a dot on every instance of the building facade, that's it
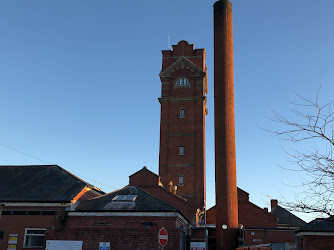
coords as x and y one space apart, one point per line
35 199
182 126
128 218
315 235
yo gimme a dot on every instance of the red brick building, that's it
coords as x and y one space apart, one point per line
56 206
250 215
150 182
316 235
260 226
182 127
129 218
33 200
59 205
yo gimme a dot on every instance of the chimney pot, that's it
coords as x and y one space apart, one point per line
174 189
265 209
170 185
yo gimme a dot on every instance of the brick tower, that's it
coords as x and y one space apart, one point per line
182 126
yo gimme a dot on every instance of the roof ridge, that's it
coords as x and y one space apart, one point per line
47 165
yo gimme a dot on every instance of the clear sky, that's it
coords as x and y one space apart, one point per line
79 83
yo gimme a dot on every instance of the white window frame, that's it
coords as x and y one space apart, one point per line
181 150
26 234
181 180
182 82
182 113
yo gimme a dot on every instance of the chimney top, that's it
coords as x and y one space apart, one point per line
222 4
170 185
274 204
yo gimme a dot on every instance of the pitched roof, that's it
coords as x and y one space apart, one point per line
318 225
144 202
287 218
39 183
144 169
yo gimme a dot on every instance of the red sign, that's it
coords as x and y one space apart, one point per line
163 237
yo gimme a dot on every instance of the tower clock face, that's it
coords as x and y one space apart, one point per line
182 82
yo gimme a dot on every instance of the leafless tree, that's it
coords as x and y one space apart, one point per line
311 124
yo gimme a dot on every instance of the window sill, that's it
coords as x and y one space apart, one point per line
180 154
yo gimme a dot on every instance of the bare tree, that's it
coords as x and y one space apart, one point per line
312 123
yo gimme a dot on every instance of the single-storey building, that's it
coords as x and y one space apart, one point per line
316 235
34 199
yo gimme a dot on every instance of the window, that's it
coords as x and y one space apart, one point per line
180 180
182 82
181 150
181 113
34 237
124 198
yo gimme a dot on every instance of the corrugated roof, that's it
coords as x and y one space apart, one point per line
143 202
287 218
38 183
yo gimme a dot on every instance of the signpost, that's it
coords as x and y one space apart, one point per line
163 237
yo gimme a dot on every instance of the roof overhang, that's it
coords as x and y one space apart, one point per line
132 214
299 234
34 204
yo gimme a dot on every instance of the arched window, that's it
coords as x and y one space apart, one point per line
182 82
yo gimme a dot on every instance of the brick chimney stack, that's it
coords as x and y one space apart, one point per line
170 186
174 189
225 156
274 204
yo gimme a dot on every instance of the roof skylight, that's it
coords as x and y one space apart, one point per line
124 198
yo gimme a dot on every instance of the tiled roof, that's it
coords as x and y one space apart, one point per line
143 202
318 225
38 183
287 218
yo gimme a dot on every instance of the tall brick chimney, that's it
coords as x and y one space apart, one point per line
225 157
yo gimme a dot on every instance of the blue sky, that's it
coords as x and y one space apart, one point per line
79 83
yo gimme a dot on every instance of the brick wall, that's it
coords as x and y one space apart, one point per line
309 242
89 195
121 232
16 224
269 235
250 215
